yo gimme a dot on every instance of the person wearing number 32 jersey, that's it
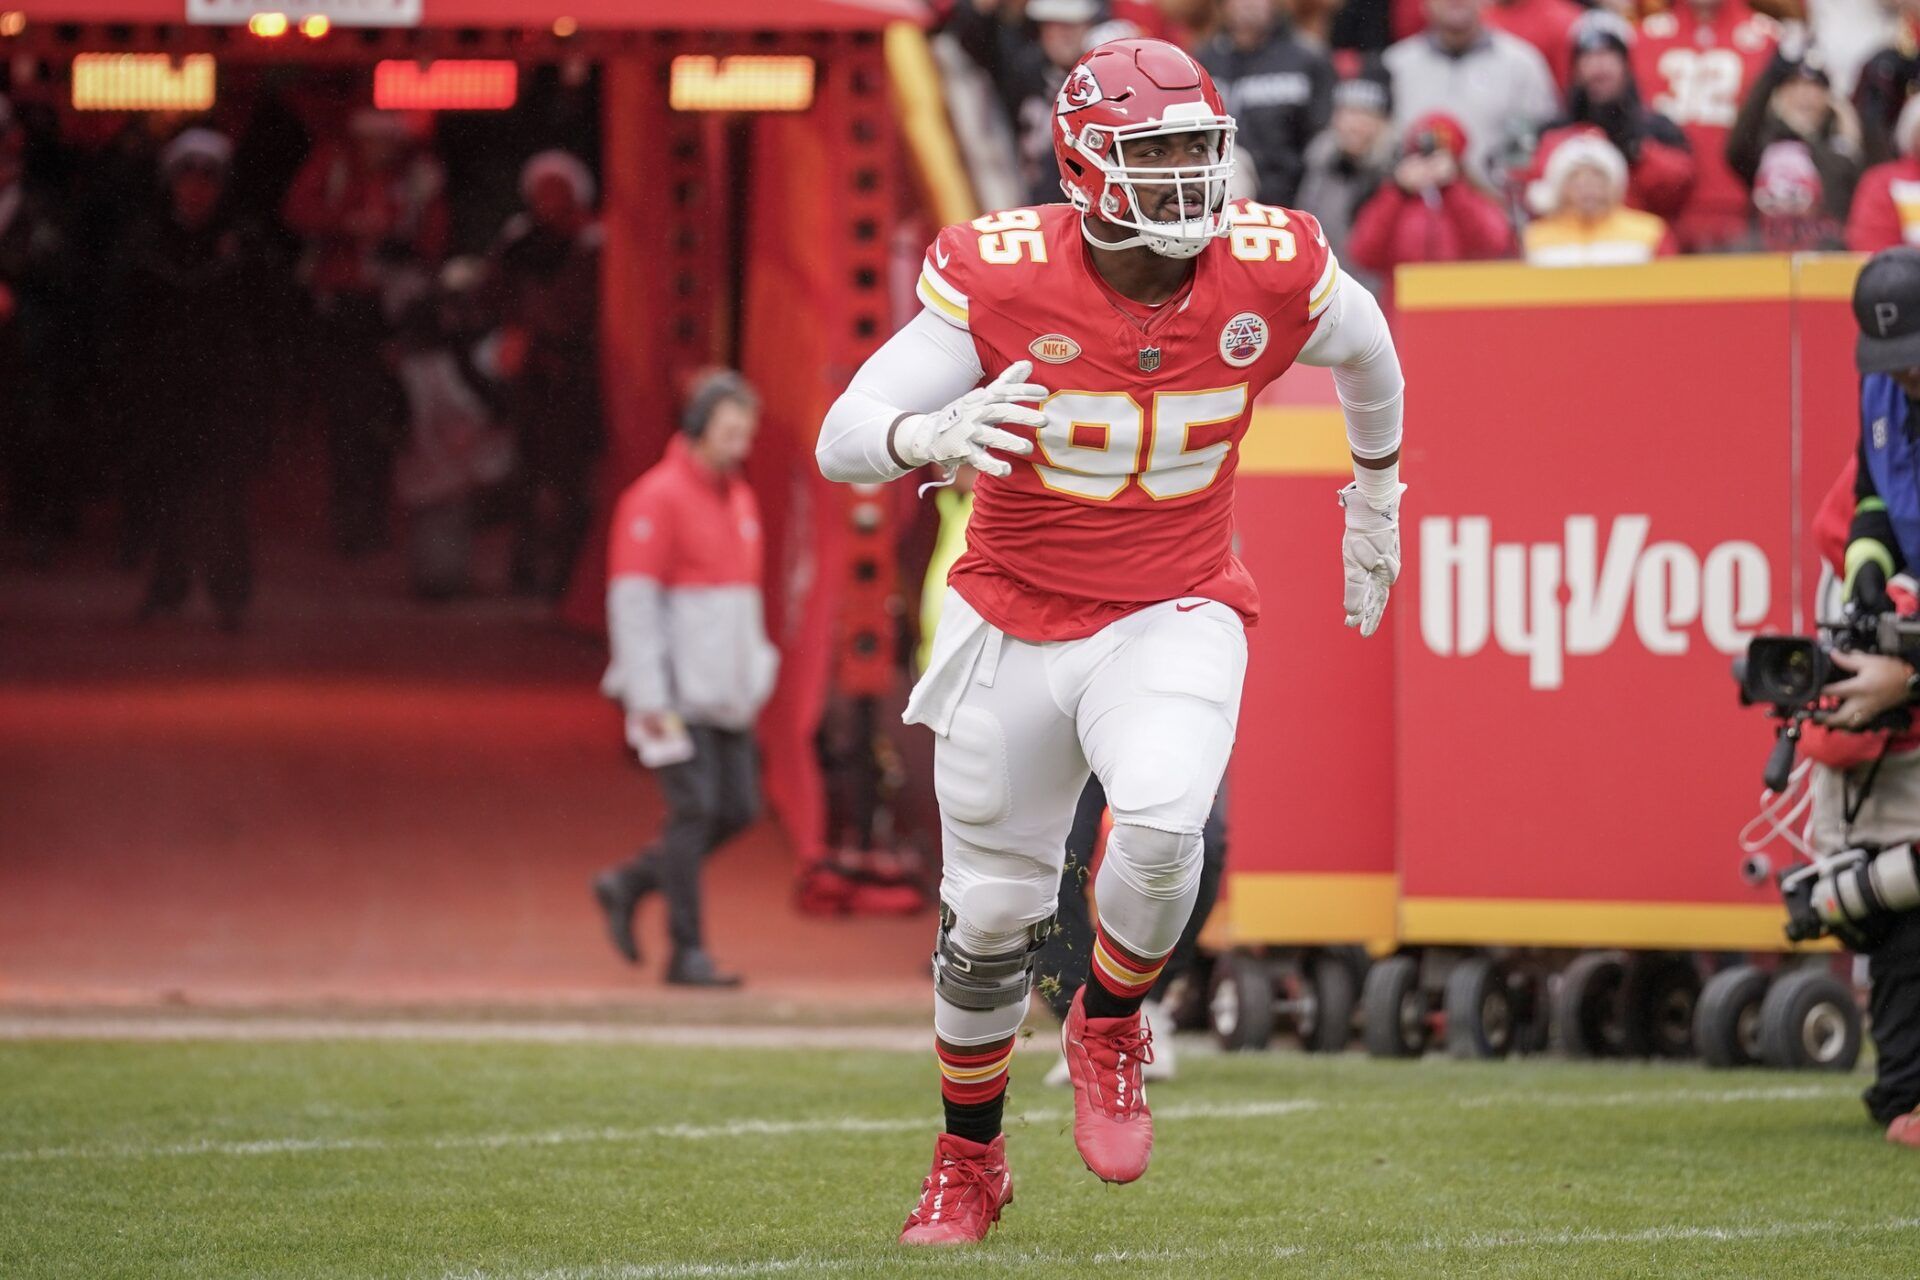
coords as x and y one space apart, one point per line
1096 361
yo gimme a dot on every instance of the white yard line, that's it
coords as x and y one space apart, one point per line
731 1130
1245 1254
728 1130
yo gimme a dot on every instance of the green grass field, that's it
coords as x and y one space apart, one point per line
590 1161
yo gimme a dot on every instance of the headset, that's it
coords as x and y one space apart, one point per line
711 392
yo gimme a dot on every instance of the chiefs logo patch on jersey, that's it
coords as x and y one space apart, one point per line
1244 338
1080 90
1054 348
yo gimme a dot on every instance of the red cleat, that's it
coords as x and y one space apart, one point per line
1111 1124
1905 1130
963 1195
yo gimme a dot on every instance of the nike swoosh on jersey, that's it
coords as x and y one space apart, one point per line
1188 608
940 257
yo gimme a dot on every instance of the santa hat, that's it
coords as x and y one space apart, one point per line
201 148
563 165
1582 150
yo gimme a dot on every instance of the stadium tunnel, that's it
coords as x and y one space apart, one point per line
756 207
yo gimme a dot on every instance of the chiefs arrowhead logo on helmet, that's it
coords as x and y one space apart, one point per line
1080 90
1118 99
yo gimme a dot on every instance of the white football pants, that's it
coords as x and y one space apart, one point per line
1149 703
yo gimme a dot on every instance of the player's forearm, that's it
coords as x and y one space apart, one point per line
855 445
926 365
1372 394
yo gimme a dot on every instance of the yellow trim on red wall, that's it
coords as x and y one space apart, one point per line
1296 440
1826 277
1491 285
1283 907
1663 925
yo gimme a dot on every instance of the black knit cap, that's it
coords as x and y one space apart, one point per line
1369 88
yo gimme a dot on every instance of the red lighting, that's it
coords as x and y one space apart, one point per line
447 85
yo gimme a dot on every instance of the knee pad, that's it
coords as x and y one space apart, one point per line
1159 864
981 968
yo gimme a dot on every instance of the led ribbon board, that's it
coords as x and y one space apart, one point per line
142 82
747 83
452 84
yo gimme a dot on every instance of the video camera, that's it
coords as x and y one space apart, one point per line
1789 674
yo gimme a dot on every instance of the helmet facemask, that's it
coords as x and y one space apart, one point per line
1202 187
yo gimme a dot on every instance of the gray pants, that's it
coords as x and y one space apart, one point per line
710 799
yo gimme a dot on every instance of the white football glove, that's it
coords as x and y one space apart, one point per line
964 430
1370 549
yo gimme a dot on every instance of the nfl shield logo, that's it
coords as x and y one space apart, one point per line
1149 359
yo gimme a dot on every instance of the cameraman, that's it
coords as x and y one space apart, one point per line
1876 801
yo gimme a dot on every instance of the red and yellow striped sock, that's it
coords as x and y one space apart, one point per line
973 1074
1120 979
973 1087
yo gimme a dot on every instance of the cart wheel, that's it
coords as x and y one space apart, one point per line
1331 1025
1726 1021
1588 1009
1241 1006
1532 1011
1480 1010
1394 1009
1659 998
1809 1020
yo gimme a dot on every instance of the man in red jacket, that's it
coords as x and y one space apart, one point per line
1697 64
1429 211
692 665
1886 204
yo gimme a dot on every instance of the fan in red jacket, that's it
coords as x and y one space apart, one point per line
1886 204
1428 211
1660 161
1697 64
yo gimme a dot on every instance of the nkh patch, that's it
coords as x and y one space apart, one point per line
1149 359
1244 338
1054 348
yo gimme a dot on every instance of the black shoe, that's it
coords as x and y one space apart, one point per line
696 969
618 901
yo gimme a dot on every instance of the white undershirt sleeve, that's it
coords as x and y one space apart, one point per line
1354 340
926 366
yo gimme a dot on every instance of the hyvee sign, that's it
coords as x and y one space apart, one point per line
1549 601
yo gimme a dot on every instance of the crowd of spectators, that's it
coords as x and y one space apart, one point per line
1550 130
406 304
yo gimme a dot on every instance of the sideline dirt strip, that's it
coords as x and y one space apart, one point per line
756 1128
1250 1254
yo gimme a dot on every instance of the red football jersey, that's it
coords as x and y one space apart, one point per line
1697 74
1127 498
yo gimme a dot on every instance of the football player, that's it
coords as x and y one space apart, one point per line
1095 620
